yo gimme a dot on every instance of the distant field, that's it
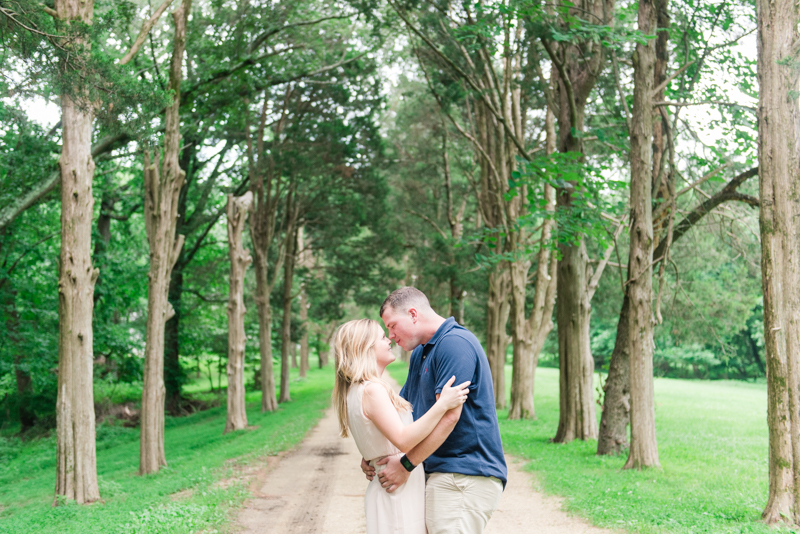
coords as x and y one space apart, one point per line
182 498
712 441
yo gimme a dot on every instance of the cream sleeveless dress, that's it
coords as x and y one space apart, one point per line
399 512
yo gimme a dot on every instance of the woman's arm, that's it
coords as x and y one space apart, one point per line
379 409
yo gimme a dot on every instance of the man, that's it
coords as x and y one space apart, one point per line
463 456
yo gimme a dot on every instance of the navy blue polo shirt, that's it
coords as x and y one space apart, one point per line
474 446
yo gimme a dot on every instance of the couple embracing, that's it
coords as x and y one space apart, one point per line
436 446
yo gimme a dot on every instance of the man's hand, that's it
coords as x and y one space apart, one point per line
368 470
393 475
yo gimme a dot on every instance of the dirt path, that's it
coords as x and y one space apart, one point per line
319 488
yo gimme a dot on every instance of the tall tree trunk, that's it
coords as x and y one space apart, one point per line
304 257
240 259
643 450
779 173
522 364
174 375
528 334
304 339
266 197
76 458
286 330
269 400
579 65
162 188
324 354
497 311
613 437
577 419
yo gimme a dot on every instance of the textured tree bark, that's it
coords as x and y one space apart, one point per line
174 375
304 339
660 125
577 71
324 354
269 400
497 311
266 196
163 181
286 327
779 173
613 437
643 450
76 459
304 258
577 419
522 365
528 334
240 259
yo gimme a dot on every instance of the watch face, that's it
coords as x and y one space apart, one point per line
406 463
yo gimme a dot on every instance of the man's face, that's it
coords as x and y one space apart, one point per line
402 327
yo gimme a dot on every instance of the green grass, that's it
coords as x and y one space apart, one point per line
182 497
713 447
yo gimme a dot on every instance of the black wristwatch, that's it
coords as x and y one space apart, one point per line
407 463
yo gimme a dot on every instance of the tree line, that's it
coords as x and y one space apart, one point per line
521 152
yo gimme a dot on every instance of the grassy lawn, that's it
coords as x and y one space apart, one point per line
183 497
712 441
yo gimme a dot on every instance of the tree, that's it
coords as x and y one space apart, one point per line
432 174
304 262
267 188
530 333
643 450
76 460
578 63
239 54
162 189
613 438
291 224
494 110
240 258
779 180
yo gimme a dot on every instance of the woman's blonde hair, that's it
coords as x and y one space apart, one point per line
353 348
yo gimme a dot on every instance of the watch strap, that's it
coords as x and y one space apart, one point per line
407 463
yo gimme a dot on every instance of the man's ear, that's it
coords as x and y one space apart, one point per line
413 313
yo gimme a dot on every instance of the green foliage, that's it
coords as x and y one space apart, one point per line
591 196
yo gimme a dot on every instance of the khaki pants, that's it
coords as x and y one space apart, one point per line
460 504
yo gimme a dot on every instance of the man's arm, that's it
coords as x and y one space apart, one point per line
395 475
429 445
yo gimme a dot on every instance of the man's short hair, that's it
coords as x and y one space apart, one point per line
400 300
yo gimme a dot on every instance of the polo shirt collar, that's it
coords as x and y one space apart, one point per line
448 325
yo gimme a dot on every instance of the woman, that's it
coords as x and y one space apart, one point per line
381 423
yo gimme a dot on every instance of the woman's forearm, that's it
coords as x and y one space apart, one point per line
414 433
